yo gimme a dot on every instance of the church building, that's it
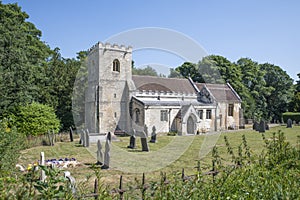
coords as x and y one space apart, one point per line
117 101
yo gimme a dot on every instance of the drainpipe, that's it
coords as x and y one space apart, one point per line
170 109
216 118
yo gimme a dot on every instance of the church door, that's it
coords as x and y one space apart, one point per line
190 126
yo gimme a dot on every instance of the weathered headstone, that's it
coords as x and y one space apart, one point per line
289 123
262 126
99 153
146 130
294 122
81 137
153 135
71 134
132 140
84 138
72 182
42 163
267 126
255 126
87 138
108 136
144 142
106 155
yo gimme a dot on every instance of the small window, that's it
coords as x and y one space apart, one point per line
200 114
208 114
115 115
164 115
115 95
116 65
230 110
137 115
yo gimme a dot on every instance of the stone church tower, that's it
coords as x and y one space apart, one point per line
110 80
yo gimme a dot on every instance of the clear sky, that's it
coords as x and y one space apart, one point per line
263 30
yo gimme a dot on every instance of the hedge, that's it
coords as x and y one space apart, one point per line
291 115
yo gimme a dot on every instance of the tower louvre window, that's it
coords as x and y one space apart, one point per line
116 65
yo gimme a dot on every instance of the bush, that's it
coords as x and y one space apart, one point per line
36 119
11 142
291 115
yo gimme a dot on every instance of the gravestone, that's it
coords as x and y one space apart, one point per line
81 137
86 138
108 136
146 130
72 181
153 135
106 155
71 134
99 153
144 142
289 123
255 126
132 140
262 126
267 126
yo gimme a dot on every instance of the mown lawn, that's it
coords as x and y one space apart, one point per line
169 154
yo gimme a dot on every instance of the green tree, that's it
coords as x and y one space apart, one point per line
36 119
253 79
295 103
174 73
11 144
60 75
231 73
22 57
280 85
148 71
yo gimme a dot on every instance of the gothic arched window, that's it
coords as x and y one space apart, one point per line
116 65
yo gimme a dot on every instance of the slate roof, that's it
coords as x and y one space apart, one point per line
221 92
163 84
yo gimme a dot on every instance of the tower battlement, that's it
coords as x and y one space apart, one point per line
109 46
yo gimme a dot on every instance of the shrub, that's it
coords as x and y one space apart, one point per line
36 119
11 142
291 115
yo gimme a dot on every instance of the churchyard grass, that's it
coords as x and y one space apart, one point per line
188 160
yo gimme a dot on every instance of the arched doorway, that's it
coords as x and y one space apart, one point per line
190 125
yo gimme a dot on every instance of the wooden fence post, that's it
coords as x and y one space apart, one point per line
96 188
121 191
42 163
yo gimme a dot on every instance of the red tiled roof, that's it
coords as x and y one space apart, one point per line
155 83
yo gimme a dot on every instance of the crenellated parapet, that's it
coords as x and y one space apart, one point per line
155 93
108 46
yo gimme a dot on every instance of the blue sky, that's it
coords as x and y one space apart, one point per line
265 31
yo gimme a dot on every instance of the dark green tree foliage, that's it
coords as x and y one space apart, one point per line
79 90
253 79
174 73
11 144
189 69
265 89
295 103
281 92
36 119
148 71
22 57
60 75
